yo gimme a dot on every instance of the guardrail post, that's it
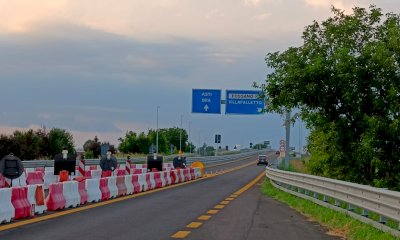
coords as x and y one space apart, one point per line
382 219
365 213
325 199
307 192
350 207
337 203
315 195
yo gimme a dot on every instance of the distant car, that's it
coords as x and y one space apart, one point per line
262 159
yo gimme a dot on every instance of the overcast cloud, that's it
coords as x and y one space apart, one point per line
102 67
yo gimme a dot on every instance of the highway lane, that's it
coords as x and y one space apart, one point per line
157 215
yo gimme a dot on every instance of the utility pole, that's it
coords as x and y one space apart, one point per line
180 137
157 132
190 143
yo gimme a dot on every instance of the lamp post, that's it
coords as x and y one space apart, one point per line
180 137
190 144
157 132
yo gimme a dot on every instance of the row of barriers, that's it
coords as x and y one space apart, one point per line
27 201
42 175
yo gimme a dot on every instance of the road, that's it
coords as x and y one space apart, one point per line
166 214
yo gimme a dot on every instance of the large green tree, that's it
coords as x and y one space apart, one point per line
345 79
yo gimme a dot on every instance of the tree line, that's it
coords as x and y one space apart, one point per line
345 80
39 144
45 144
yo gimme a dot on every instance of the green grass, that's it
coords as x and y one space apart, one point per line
339 223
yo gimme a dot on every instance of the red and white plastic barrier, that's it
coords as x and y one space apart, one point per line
19 199
35 177
186 173
105 191
129 184
150 180
93 190
83 196
49 178
55 200
71 194
7 210
95 173
36 198
112 185
142 182
122 190
137 187
157 180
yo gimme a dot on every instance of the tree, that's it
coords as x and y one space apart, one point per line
345 79
58 139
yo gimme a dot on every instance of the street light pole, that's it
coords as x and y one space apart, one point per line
287 127
190 144
157 132
180 137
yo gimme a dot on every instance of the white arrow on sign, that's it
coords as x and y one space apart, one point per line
206 108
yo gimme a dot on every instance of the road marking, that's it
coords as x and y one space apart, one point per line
229 199
194 225
250 184
213 211
220 206
181 234
204 217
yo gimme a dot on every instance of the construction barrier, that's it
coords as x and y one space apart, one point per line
173 176
18 182
186 174
93 167
55 200
142 182
129 184
119 172
106 174
167 177
19 199
71 194
105 191
139 170
36 198
137 187
112 185
49 178
7 210
181 175
157 180
35 177
192 174
93 190
150 180
122 190
83 195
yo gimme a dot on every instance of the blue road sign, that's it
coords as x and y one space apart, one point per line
244 102
206 101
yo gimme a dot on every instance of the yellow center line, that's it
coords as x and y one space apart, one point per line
212 211
194 224
181 234
204 217
224 202
229 199
219 206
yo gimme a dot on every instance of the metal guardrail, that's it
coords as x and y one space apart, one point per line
206 160
320 190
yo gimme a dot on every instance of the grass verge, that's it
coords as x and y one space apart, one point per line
339 224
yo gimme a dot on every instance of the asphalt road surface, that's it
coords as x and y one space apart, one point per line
181 212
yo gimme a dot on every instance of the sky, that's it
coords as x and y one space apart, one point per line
101 67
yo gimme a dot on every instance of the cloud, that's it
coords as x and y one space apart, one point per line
252 2
262 17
